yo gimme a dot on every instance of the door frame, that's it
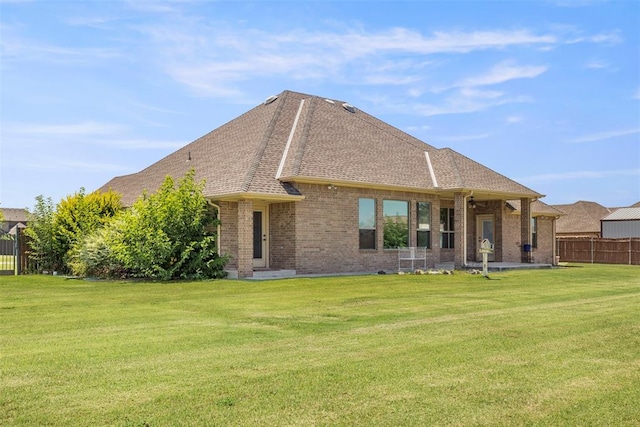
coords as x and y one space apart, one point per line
479 221
264 261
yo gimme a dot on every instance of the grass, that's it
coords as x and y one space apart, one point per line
540 347
7 262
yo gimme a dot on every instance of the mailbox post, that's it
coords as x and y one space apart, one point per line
486 248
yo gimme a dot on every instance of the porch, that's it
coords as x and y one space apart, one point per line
266 274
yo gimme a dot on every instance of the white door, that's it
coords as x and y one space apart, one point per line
260 234
485 229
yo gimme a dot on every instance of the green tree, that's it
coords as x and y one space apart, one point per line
167 235
79 215
41 235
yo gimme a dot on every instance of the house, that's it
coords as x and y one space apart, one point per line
624 222
581 219
12 218
310 185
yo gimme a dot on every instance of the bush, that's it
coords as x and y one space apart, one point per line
165 235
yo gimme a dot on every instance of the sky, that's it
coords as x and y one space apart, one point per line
546 93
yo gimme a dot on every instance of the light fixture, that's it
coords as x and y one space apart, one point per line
189 156
331 187
472 203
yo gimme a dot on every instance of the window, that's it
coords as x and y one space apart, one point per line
423 232
446 228
396 223
367 223
534 232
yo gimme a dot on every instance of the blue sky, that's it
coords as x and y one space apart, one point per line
545 92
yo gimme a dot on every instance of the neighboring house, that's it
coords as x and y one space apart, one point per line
581 219
12 218
309 184
624 222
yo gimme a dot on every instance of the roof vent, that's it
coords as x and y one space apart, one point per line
330 101
350 108
270 99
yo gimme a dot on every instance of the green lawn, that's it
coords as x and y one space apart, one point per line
539 347
7 262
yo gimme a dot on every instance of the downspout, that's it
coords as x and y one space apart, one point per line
217 226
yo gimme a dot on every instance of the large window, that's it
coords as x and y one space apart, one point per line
446 228
534 232
367 223
423 231
396 223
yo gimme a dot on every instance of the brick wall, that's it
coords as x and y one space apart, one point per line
245 238
320 234
229 232
282 236
327 233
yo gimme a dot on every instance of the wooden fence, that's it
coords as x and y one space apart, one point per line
598 250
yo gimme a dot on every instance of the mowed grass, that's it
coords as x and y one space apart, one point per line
538 347
7 262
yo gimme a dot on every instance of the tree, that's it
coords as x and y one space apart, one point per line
40 233
166 235
79 215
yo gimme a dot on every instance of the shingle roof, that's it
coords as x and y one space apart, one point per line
14 214
623 214
581 217
305 138
538 208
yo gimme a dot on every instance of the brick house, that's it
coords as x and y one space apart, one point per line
581 219
314 186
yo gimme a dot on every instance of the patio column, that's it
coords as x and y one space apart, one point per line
245 238
459 230
525 229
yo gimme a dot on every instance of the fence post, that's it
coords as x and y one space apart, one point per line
16 252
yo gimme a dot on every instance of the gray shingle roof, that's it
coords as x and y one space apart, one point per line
305 138
14 214
580 217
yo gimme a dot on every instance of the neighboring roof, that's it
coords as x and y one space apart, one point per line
623 214
14 214
581 217
304 138
538 208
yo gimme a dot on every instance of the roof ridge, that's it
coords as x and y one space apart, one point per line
305 135
251 172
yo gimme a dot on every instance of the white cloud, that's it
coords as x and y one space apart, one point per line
636 95
211 60
514 119
604 135
502 72
597 64
608 38
464 101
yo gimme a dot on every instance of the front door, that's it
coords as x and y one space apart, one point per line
260 238
485 230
